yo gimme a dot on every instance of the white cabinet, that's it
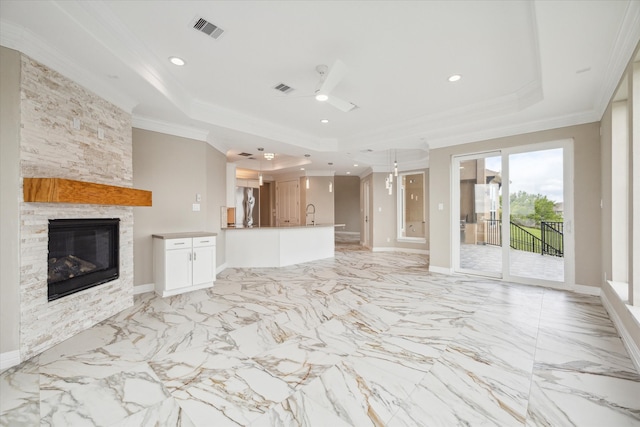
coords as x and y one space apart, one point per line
183 262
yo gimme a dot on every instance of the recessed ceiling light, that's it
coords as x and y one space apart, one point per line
177 61
348 173
355 165
324 121
455 77
301 169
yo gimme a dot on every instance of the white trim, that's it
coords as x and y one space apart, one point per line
143 289
587 290
627 339
221 268
160 126
350 233
440 270
394 249
9 359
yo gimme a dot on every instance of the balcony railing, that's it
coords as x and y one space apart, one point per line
551 241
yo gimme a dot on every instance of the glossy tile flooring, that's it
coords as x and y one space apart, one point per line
365 339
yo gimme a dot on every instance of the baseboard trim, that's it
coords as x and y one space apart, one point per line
627 340
9 359
440 270
588 290
394 249
349 233
143 289
221 268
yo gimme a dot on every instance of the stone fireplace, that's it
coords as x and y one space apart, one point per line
59 138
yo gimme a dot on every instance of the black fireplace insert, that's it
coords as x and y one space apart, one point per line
82 253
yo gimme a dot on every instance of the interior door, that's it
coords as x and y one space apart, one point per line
288 203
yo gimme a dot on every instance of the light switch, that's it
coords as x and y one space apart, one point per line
440 206
196 207
198 197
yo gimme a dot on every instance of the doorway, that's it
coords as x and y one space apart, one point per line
514 209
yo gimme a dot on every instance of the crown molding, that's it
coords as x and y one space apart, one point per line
622 50
160 126
444 138
224 117
26 42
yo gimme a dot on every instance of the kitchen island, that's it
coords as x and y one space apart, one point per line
279 246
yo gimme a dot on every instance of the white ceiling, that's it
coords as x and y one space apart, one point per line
525 66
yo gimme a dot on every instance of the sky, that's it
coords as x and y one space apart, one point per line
536 172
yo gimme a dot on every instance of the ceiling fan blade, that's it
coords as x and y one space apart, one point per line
333 77
341 104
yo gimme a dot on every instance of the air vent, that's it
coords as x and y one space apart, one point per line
283 88
245 154
208 28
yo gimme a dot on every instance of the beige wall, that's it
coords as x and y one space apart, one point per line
347 202
586 195
175 169
9 199
318 194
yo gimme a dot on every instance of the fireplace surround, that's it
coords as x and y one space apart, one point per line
82 253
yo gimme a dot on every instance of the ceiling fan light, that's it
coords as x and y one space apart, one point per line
322 97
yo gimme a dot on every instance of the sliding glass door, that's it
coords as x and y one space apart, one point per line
479 211
536 206
515 213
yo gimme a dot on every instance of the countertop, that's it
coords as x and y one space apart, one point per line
284 227
184 235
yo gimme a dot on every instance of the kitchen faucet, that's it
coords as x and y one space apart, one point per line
313 213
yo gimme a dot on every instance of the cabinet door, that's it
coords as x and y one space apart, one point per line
178 268
204 264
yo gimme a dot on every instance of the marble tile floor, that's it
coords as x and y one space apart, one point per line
364 339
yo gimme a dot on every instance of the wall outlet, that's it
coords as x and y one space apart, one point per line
100 133
196 207
75 123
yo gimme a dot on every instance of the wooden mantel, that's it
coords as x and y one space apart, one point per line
59 190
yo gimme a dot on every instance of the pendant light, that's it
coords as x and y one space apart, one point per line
331 181
395 163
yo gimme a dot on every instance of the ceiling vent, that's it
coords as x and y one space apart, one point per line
207 27
283 88
245 154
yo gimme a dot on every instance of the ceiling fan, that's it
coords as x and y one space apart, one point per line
329 79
